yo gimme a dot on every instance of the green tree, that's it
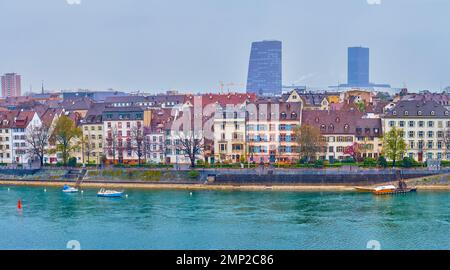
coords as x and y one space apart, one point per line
394 145
65 134
361 106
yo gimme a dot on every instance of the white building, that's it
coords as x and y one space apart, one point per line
425 126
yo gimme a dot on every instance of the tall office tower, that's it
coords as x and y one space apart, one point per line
264 69
11 85
358 66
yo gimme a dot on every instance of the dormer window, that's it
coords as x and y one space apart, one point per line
337 119
406 113
419 113
394 113
446 112
330 127
346 127
317 120
433 112
323 127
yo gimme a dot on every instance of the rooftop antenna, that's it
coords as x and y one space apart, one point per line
42 89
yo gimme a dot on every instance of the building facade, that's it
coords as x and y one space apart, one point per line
344 129
425 127
229 133
123 127
270 127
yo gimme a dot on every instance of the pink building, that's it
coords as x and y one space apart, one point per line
11 85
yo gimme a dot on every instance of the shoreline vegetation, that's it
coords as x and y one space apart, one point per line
432 183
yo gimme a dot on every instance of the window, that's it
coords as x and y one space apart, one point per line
411 123
430 144
421 123
411 134
420 134
411 144
392 123
430 134
430 123
401 123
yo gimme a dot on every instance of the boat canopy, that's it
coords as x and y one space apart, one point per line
385 187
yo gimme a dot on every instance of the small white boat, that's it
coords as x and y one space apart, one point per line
109 193
69 189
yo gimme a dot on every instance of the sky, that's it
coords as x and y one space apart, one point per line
192 46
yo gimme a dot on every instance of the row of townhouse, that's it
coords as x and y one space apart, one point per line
262 130
234 127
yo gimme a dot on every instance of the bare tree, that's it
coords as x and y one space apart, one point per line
112 143
446 141
86 146
191 144
137 142
310 140
37 140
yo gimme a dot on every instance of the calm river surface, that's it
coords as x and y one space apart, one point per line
173 219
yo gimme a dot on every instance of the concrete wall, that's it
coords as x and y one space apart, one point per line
310 177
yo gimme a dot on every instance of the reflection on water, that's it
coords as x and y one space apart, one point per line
223 220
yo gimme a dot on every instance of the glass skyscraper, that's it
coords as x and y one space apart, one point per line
358 66
264 69
358 69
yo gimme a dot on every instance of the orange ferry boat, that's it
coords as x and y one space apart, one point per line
391 189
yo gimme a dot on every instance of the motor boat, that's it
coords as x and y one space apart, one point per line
391 189
109 193
69 189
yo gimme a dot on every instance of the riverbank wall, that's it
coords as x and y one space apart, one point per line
350 177
261 176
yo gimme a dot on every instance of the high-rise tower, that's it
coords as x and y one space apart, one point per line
11 85
358 66
264 69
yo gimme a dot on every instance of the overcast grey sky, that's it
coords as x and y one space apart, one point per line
156 45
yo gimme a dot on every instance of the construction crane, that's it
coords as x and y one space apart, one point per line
229 85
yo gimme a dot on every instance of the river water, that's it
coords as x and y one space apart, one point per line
177 219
